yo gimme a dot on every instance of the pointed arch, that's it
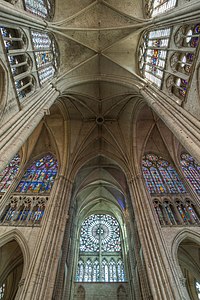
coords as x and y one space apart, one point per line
17 236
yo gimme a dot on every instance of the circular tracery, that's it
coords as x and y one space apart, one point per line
100 231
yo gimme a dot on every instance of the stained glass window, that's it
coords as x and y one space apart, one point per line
40 8
160 177
2 291
188 36
40 176
191 170
156 7
45 55
103 226
100 250
153 53
15 42
182 62
197 285
9 173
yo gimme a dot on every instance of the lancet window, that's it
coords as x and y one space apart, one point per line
100 251
45 55
15 42
153 54
39 176
40 8
191 169
160 176
9 173
176 211
26 211
156 7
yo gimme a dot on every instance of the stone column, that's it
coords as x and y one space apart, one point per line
41 275
59 288
72 257
182 124
159 267
145 292
14 133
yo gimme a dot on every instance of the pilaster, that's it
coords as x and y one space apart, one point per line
159 267
41 275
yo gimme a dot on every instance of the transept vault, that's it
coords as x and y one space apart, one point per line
99 150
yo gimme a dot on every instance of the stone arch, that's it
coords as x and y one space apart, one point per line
185 254
80 293
17 236
121 293
14 263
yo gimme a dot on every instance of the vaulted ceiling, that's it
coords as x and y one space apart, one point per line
99 84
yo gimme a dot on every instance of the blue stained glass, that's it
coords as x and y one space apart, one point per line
191 170
157 180
149 181
40 176
9 173
167 179
183 213
161 177
40 8
45 55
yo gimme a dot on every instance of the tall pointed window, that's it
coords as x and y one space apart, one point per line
161 177
100 252
191 170
39 176
9 173
45 55
153 53
156 7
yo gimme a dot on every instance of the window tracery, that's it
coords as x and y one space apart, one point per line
191 169
40 8
188 36
153 53
176 211
156 7
100 237
26 211
15 42
9 173
160 177
40 176
45 55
